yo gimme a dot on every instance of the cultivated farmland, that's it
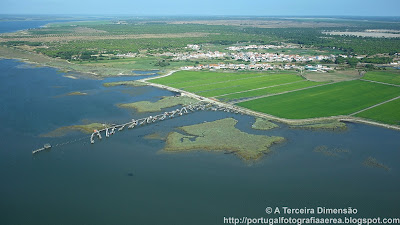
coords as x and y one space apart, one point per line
290 96
387 113
211 84
336 99
269 90
392 77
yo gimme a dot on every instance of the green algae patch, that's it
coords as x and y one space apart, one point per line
166 102
220 135
332 152
87 129
374 163
324 125
76 93
132 83
263 124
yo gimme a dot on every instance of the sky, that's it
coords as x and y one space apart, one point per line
205 7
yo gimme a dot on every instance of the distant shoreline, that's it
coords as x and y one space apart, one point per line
62 65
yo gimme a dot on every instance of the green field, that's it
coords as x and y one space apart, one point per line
269 90
390 77
142 63
192 78
211 84
336 99
387 113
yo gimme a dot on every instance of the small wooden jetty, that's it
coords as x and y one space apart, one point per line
45 146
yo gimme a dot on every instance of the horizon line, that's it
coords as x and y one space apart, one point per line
183 15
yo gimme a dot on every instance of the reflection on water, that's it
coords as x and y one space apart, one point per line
127 179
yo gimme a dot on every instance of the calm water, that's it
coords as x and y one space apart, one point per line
126 179
12 26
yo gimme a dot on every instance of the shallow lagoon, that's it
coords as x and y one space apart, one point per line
126 179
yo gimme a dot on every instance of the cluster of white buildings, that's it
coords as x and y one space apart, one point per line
247 56
318 68
260 66
196 55
193 47
346 56
238 48
273 57
395 63
128 55
230 66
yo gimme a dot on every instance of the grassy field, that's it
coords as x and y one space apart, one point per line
336 75
232 86
336 99
269 90
387 113
191 78
391 77
211 84
145 63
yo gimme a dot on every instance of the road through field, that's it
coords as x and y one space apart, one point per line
225 81
271 117
351 90
378 82
258 88
285 92
374 106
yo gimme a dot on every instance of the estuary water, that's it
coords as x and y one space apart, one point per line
126 179
12 26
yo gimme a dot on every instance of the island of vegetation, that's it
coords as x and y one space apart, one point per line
321 125
333 152
220 135
86 128
165 102
374 163
263 124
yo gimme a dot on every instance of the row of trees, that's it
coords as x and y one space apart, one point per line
221 35
315 37
354 61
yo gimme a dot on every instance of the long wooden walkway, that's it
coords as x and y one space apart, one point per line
152 119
